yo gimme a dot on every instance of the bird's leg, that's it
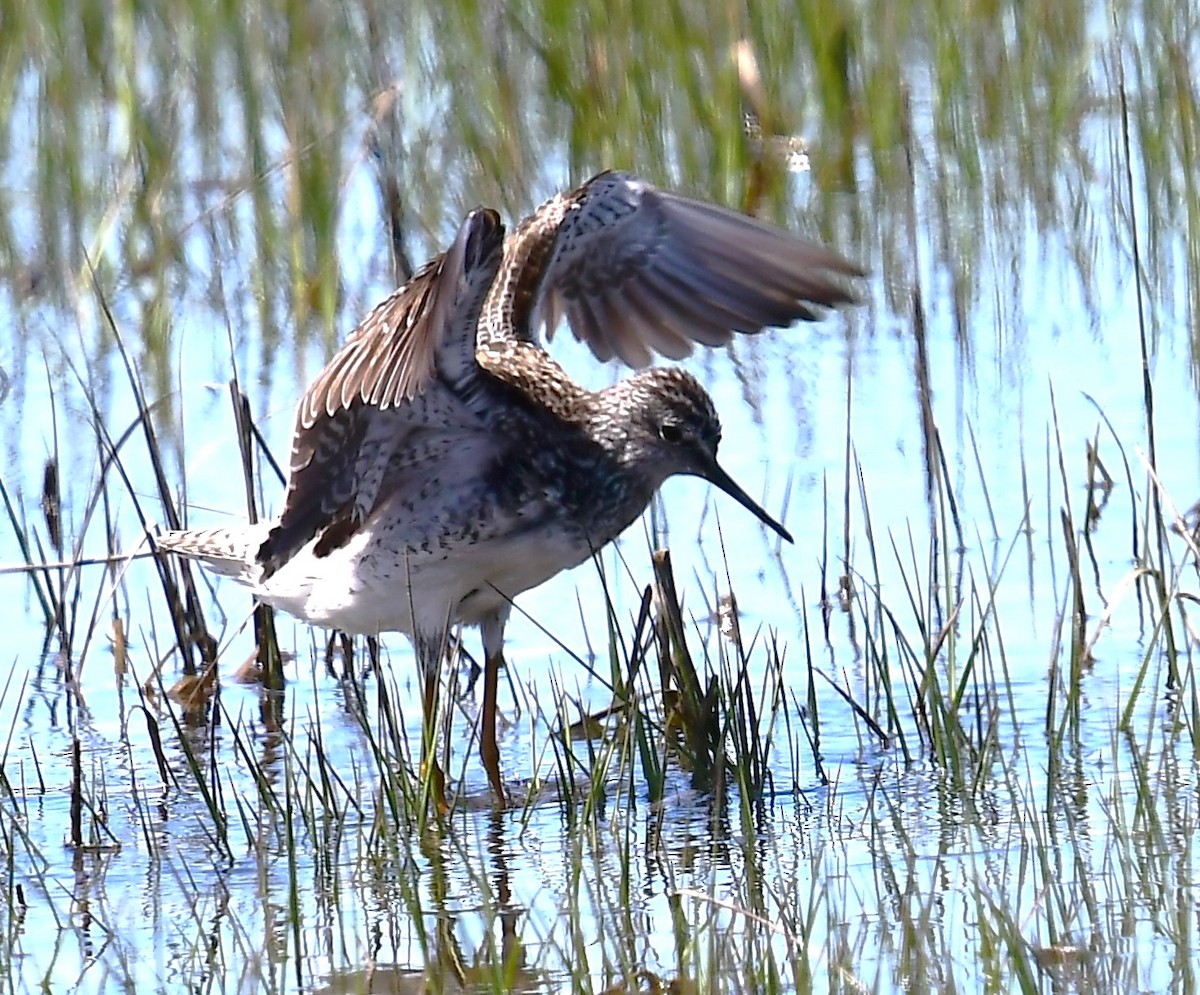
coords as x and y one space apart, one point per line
429 659
489 752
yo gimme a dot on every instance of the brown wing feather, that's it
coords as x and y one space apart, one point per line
358 409
636 269
389 356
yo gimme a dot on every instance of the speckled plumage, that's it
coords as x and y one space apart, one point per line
443 463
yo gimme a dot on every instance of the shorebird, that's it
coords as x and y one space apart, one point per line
443 462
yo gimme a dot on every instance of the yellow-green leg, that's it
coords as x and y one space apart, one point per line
429 764
489 751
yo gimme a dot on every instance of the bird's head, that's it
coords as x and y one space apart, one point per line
671 426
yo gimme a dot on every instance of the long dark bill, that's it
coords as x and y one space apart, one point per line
719 478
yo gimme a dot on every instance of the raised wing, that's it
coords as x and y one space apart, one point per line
637 270
361 409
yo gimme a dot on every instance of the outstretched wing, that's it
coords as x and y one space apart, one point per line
378 389
637 270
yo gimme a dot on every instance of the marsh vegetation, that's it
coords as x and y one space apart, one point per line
946 742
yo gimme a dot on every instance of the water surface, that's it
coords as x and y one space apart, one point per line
228 180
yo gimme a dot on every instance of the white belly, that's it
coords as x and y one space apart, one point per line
364 588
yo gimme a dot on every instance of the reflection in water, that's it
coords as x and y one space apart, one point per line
439 117
446 967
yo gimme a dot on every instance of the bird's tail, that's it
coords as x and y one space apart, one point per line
228 551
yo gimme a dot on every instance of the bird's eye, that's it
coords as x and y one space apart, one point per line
670 433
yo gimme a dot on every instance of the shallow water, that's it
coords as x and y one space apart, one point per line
244 868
